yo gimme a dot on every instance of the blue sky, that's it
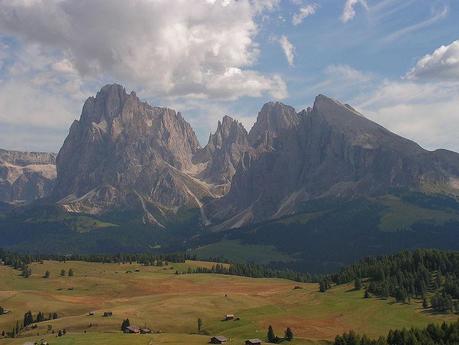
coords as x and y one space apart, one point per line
395 61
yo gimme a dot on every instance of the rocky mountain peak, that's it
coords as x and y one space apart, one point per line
129 148
228 131
273 118
223 152
107 104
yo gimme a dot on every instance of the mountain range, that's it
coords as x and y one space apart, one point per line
126 161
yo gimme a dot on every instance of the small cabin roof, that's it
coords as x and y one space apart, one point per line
220 338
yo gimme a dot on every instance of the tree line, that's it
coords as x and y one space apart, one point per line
18 260
433 334
256 271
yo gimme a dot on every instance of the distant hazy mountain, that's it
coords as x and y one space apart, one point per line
26 176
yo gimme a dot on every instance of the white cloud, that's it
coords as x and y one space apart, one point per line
424 112
303 12
436 16
346 72
349 9
288 49
442 64
169 48
22 102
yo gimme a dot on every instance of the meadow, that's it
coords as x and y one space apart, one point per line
170 304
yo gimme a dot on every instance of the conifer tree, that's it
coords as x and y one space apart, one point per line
288 334
271 336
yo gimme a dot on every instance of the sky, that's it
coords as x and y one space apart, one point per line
397 62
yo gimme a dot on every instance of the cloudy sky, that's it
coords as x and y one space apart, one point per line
395 61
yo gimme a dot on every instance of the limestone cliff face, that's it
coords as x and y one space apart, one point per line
125 153
273 119
222 153
26 176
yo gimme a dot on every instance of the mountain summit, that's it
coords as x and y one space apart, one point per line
124 153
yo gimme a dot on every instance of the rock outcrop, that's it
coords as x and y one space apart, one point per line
26 176
222 153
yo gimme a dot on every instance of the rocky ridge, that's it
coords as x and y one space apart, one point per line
124 154
26 176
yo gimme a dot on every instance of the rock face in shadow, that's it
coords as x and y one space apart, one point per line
328 151
26 176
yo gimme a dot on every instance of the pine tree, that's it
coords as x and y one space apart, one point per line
47 274
288 334
62 273
28 319
71 273
199 325
125 324
271 336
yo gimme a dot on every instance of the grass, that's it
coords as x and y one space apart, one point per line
402 215
171 303
77 223
235 251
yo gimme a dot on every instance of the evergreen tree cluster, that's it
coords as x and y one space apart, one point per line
255 271
433 334
28 320
274 339
408 274
20 261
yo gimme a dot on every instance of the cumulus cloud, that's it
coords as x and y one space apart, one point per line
288 49
349 9
424 112
170 48
303 12
442 64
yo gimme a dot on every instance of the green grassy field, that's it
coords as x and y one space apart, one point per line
401 215
237 252
171 304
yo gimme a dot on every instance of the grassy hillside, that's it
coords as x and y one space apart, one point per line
164 301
